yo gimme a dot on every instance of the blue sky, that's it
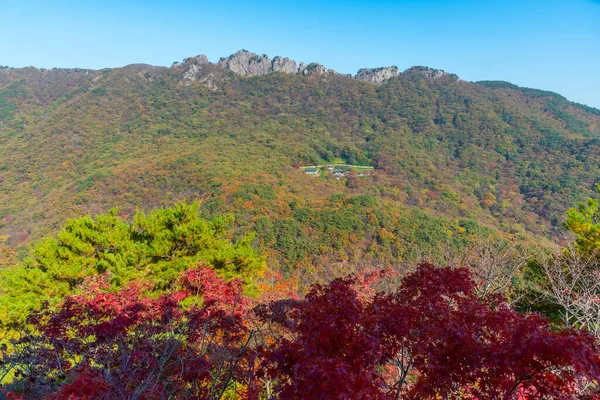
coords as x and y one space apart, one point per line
550 44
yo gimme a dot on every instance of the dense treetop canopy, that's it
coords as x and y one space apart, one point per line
155 247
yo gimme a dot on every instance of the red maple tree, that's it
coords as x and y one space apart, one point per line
442 339
193 342
433 337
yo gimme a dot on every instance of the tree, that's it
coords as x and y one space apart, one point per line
571 276
195 341
572 282
441 337
7 254
156 246
463 345
495 264
584 222
433 337
333 346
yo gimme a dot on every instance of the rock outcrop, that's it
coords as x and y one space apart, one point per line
313 68
302 68
377 75
191 73
249 64
285 65
210 81
194 71
246 63
427 72
200 59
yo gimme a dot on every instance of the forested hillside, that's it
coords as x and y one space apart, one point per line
257 229
453 159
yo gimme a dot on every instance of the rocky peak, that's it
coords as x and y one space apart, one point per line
302 68
246 63
313 68
427 72
191 73
193 68
200 59
284 64
377 75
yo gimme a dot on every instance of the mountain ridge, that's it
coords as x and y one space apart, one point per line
243 59
452 158
246 63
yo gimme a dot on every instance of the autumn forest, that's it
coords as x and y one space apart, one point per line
191 232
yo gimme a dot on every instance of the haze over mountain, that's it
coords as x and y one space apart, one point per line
452 159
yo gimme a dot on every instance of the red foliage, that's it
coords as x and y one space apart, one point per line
130 346
443 339
480 348
275 287
88 384
431 338
335 348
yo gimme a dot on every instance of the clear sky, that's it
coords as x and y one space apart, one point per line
546 44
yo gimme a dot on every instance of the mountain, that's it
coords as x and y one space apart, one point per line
451 159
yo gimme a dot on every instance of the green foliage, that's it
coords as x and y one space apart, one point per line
156 246
6 107
584 222
99 91
12 92
445 153
363 200
251 191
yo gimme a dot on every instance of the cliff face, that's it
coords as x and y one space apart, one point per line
246 63
377 75
430 73
284 64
